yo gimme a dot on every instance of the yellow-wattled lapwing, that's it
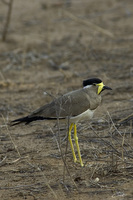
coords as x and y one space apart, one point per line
73 106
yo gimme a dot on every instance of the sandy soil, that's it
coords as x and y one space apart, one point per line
52 46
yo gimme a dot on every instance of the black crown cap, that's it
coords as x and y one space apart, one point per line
91 81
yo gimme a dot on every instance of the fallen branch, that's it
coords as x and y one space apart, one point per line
8 19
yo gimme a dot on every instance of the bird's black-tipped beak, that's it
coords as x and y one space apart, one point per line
106 88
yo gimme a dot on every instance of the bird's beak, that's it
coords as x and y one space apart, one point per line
106 88
102 87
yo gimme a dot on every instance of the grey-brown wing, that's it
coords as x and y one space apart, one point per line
70 104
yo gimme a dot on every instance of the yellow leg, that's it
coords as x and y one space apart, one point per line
77 145
71 144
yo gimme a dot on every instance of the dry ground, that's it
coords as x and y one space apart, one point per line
51 47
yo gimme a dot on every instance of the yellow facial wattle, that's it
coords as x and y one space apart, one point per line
100 87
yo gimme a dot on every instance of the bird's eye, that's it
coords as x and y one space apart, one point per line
94 84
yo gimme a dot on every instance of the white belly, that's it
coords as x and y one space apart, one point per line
88 114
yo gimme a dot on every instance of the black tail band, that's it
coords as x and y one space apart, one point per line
28 119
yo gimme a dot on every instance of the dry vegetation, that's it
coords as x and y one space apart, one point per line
50 48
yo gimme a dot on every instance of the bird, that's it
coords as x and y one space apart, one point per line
72 107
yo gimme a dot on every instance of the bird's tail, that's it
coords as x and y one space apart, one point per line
26 120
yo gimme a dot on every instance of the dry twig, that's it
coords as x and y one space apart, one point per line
64 159
89 24
15 146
